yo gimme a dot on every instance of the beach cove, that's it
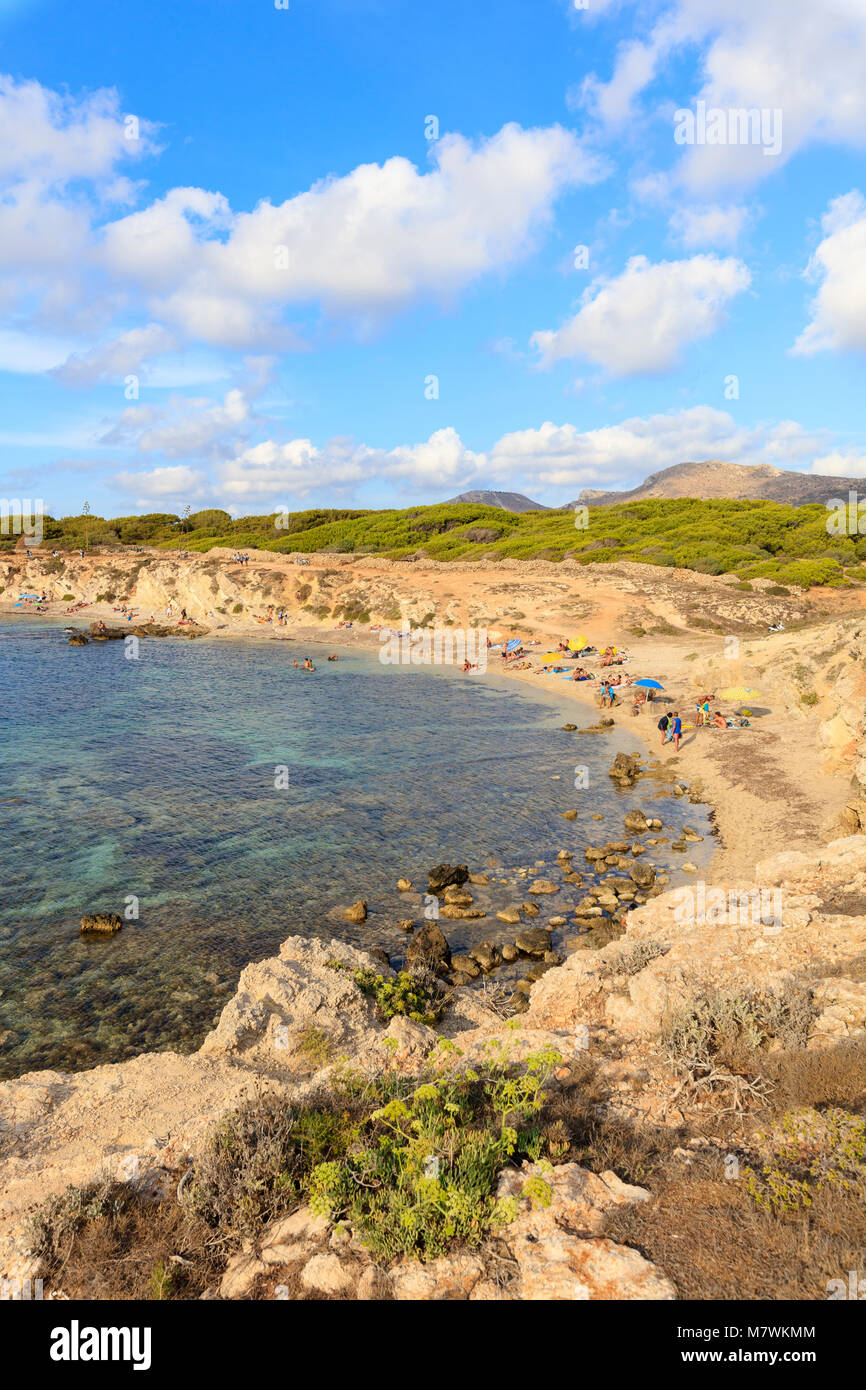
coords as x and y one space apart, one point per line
232 800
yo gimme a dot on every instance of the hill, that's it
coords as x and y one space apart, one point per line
750 538
737 481
509 501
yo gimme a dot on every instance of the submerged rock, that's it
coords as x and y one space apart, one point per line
446 874
103 923
534 941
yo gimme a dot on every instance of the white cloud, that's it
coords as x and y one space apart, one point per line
806 61
175 482
185 427
851 464
640 321
714 225
361 247
839 263
115 359
364 246
552 460
564 456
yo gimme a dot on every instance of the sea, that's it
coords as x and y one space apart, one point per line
221 799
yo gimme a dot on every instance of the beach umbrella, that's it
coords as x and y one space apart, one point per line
739 692
649 684
552 656
577 644
513 644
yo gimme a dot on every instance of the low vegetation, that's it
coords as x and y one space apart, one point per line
752 539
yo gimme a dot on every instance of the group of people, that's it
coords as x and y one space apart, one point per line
670 727
240 558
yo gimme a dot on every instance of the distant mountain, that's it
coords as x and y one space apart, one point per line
509 501
735 480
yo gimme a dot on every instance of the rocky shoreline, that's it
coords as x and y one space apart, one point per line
799 970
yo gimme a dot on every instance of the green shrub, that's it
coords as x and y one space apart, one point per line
808 1152
406 994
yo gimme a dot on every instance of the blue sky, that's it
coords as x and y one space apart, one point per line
232 261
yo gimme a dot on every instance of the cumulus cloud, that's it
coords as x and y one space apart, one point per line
713 225
365 245
361 247
117 358
185 427
839 264
553 460
640 321
808 63
171 482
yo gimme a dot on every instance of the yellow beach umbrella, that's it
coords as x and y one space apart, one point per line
739 692
553 656
577 644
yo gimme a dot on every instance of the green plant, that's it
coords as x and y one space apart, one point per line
425 1174
67 598
238 608
808 1152
161 1281
407 993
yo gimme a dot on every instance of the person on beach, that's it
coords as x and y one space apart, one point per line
662 726
677 730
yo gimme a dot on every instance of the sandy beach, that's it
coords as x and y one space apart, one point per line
780 784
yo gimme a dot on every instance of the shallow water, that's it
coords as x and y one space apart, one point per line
155 779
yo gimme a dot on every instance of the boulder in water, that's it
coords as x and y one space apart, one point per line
357 912
429 947
445 874
102 923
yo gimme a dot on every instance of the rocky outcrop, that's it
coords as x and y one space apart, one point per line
555 1244
748 936
444 875
145 1117
102 923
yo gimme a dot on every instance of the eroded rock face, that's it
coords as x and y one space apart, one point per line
57 1129
739 938
555 1239
279 998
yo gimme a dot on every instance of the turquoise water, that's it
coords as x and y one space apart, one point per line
155 779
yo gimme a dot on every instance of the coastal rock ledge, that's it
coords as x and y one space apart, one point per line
149 1116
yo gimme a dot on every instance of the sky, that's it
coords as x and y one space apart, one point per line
301 253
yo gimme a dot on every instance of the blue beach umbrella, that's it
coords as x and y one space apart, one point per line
649 685
513 644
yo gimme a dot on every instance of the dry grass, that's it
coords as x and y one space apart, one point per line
111 1242
709 1238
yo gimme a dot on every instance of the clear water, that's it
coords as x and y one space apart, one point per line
156 778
